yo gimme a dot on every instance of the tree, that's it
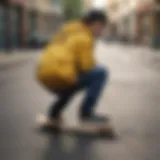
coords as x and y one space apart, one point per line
72 9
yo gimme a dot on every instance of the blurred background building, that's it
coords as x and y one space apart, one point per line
136 21
87 4
31 23
43 20
24 22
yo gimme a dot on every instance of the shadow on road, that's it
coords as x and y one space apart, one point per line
63 146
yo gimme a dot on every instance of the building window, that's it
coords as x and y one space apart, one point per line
2 28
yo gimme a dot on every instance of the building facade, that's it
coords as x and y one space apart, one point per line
3 30
87 5
21 20
155 27
11 29
122 16
43 18
136 21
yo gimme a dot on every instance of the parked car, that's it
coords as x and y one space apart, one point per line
37 41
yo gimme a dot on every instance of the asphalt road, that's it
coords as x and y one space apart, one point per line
132 99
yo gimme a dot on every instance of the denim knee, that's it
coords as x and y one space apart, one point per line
102 73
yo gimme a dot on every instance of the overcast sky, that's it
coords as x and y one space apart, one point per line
99 3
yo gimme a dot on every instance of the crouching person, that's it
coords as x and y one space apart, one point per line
68 65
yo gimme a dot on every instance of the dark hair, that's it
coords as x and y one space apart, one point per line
94 16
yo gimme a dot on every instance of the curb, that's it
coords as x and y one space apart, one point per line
14 63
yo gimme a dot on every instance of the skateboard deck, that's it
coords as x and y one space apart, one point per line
80 128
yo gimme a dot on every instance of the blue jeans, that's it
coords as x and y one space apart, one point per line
93 82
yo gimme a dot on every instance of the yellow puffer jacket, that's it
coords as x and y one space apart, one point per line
70 52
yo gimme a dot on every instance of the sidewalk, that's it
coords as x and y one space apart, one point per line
16 57
143 55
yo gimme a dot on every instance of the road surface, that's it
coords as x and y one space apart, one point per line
132 99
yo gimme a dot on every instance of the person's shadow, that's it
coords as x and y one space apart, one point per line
70 147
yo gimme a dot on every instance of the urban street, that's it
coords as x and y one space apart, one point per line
131 99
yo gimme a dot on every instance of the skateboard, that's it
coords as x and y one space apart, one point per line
78 128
